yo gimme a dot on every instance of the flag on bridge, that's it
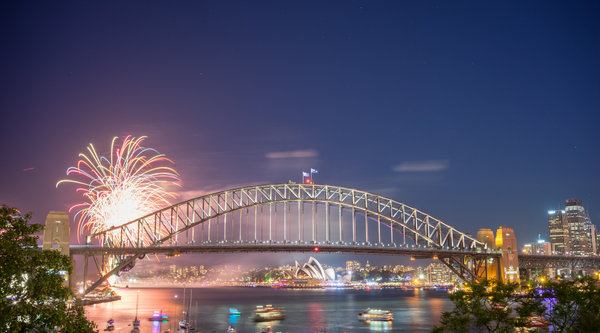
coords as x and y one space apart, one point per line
305 174
314 171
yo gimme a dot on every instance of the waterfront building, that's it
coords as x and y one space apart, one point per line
312 270
559 231
438 273
578 230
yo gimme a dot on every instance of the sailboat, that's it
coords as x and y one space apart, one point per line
136 322
185 323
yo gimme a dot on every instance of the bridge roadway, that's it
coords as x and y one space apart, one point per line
417 253
526 261
571 262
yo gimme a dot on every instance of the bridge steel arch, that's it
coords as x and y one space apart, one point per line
409 228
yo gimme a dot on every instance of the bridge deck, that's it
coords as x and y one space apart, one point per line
278 248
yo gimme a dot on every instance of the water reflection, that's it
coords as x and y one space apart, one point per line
380 326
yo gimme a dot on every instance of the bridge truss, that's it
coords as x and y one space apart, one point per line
288 218
557 262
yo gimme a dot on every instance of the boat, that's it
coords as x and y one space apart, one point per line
234 312
376 315
268 313
265 330
136 321
185 323
158 316
110 327
231 329
537 321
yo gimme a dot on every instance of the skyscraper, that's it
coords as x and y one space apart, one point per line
559 231
578 230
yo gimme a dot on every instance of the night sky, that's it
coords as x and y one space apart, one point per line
479 113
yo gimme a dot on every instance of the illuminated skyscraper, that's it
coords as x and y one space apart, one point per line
559 231
578 229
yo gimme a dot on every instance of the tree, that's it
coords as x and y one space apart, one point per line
488 307
573 305
32 297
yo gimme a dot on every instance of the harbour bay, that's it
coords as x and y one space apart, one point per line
331 310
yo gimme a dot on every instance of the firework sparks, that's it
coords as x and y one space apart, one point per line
123 188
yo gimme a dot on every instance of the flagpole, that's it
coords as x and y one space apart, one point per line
311 173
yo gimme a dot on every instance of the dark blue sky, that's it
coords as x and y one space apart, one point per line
499 101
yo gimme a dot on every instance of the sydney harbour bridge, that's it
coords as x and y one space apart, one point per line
303 218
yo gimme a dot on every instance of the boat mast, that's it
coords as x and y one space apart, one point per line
183 305
188 311
137 301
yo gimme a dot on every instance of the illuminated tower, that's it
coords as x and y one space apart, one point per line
486 236
509 262
57 236
578 234
559 231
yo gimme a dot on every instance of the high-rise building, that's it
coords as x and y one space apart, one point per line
540 247
578 233
559 231
591 234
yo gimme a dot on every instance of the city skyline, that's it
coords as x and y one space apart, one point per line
463 111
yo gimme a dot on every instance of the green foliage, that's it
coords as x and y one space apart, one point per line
489 306
32 297
573 305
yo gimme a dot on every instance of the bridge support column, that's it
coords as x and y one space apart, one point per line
85 271
528 274
72 277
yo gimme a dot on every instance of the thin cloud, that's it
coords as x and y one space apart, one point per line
421 166
293 154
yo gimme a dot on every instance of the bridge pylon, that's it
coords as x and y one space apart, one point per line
57 236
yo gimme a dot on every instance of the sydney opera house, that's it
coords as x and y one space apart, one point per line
312 270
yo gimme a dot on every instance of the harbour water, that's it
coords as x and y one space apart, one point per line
331 310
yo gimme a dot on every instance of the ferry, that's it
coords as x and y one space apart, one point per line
234 312
376 315
268 313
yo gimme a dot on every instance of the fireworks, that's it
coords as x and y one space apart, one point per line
123 188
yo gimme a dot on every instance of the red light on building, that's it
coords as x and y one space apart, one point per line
316 249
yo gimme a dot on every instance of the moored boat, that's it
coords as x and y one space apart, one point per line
538 321
376 315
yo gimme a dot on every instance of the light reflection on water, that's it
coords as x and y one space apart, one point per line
307 310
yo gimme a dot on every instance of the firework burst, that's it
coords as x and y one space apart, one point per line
123 188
